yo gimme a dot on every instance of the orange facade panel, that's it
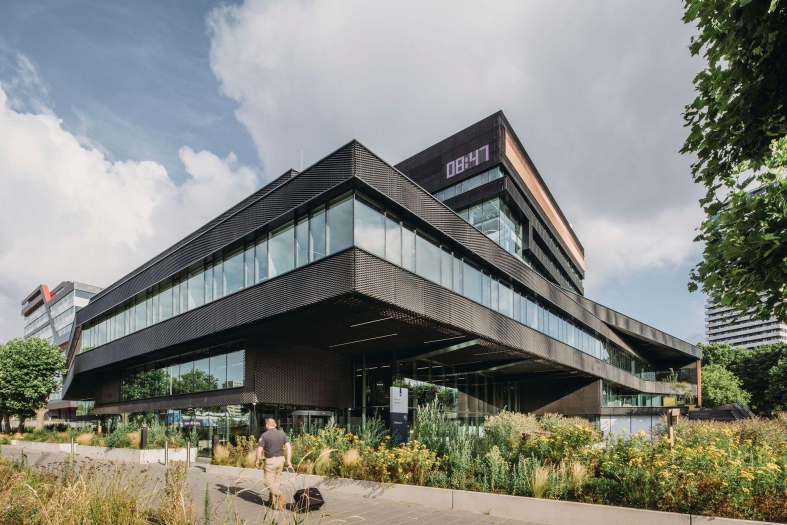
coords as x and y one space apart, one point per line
519 163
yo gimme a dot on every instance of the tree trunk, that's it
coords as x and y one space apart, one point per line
21 427
5 422
40 413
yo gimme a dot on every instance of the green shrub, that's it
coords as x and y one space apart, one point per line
118 438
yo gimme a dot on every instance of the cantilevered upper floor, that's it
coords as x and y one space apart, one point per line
351 256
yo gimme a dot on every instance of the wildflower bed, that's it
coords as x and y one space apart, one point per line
734 470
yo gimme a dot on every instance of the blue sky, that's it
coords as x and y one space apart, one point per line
133 76
127 125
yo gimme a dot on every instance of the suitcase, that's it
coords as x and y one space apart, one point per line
306 499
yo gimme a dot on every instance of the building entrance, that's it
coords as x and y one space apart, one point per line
310 421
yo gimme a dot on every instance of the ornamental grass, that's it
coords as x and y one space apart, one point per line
734 470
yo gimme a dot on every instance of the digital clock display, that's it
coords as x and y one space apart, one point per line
465 162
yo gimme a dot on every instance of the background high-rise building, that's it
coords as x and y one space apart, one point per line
50 315
724 325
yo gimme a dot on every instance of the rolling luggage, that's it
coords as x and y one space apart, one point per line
306 499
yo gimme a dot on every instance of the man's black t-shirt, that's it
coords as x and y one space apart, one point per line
272 442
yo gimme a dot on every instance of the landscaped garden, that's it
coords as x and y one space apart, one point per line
124 436
734 470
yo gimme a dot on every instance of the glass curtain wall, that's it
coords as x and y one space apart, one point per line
354 219
467 397
381 233
201 371
325 231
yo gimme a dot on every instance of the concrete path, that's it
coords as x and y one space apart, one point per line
234 501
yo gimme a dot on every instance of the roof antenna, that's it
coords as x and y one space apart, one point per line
301 160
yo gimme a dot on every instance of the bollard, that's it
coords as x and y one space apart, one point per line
72 446
166 452
216 443
188 454
143 439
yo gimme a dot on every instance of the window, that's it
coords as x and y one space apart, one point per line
408 249
199 371
261 260
235 363
203 380
218 368
141 313
458 288
473 283
505 300
208 281
340 224
196 288
233 272
317 234
446 263
165 302
302 241
248 266
369 228
281 248
427 262
218 278
393 240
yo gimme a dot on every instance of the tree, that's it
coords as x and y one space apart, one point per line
738 125
725 355
30 370
755 372
777 386
720 386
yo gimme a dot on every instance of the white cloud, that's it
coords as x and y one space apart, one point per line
71 214
622 249
595 91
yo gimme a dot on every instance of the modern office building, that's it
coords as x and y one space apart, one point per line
723 325
50 315
455 273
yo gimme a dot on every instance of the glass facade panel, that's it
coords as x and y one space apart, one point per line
393 240
165 302
408 249
473 283
505 300
427 261
218 369
235 365
302 242
203 380
317 234
446 264
281 248
369 228
340 225
196 288
210 369
218 278
248 266
233 271
261 260
458 276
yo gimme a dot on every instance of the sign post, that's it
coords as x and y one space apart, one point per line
399 424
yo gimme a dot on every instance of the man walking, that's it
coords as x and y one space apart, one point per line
274 442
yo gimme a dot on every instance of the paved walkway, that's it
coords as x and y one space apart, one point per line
234 500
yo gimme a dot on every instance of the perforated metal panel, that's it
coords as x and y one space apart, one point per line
271 204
